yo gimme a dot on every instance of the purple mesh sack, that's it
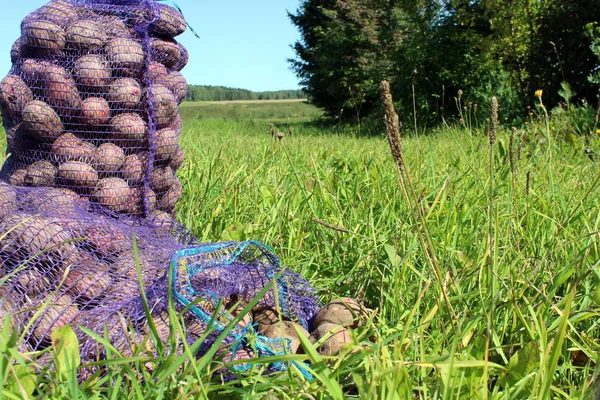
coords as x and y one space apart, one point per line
90 104
90 113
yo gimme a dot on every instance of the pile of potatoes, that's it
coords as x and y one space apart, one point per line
92 105
54 255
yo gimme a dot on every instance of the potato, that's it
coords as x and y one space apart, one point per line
165 51
177 85
40 173
91 71
95 111
161 221
109 158
49 200
14 94
17 50
44 38
129 129
114 26
35 234
264 317
333 344
58 312
34 71
275 331
165 105
59 89
183 58
41 121
170 22
126 57
178 159
157 72
86 34
166 145
124 93
138 206
78 175
8 200
134 169
32 282
60 12
114 194
107 240
87 280
344 311
125 267
161 179
169 199
17 177
69 147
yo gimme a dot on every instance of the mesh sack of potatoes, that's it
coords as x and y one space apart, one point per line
65 260
91 103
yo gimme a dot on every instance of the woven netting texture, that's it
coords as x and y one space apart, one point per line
90 103
90 109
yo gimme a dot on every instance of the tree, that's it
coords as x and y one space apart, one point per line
344 52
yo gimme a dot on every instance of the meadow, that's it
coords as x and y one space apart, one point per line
513 314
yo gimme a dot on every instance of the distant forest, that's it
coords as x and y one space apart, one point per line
221 93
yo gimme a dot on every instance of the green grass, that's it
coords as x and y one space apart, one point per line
544 328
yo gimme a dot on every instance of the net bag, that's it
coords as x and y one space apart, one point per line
92 124
66 260
90 103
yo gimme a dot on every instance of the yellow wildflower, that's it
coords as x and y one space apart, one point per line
538 93
598 131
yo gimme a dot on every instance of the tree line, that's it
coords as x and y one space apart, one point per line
222 93
441 55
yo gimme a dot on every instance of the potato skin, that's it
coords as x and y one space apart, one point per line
126 57
92 72
109 158
86 34
128 130
165 105
14 94
114 194
345 311
69 147
334 344
161 179
275 331
95 111
177 85
40 173
8 200
165 51
170 22
77 175
41 121
44 38
124 93
166 145
60 311
134 168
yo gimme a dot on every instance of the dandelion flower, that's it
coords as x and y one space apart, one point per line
538 93
598 131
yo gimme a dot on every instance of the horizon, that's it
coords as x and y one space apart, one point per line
241 46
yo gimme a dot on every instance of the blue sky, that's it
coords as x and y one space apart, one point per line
242 43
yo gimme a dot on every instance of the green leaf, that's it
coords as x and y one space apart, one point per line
24 381
392 255
234 232
523 362
65 351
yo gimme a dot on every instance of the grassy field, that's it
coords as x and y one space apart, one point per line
512 314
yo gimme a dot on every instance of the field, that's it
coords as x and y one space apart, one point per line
509 310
